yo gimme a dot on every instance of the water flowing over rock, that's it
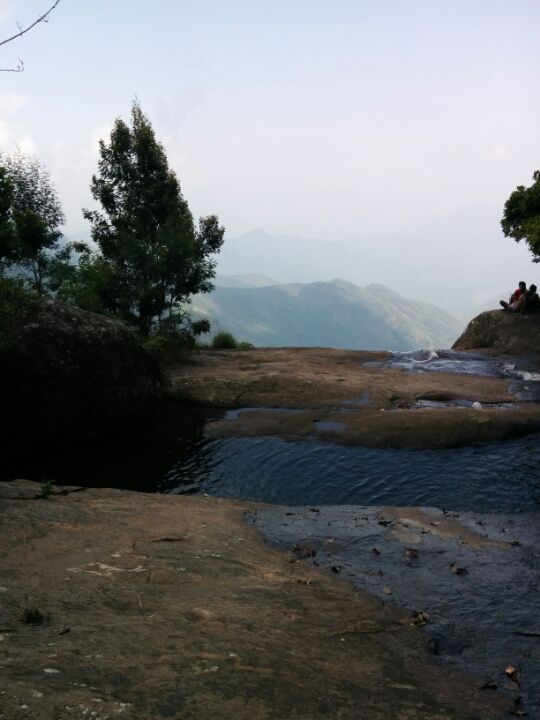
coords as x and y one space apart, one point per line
71 371
502 332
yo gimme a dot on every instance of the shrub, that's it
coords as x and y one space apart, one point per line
245 345
224 341
16 304
170 347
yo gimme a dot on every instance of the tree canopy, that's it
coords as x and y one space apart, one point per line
30 219
521 219
151 257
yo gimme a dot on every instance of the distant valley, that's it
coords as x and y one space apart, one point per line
324 314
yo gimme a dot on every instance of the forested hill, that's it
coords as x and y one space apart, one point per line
327 314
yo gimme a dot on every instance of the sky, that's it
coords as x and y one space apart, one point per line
398 127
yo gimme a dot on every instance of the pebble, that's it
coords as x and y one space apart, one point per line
51 671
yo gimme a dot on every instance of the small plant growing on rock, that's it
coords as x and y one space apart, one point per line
33 616
45 488
224 341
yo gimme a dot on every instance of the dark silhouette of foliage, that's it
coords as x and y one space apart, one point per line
224 341
521 219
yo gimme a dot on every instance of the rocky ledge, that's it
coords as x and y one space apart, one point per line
502 332
123 605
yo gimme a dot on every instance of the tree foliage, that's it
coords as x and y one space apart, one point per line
7 228
30 220
152 256
521 219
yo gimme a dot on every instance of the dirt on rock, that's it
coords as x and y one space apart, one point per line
118 604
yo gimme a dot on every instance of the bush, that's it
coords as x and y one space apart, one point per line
245 345
171 347
224 341
16 305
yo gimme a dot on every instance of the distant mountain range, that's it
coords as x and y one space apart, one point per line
324 314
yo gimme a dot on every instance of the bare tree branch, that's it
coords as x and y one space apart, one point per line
18 68
22 31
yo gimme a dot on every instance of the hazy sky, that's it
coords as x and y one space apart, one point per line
399 125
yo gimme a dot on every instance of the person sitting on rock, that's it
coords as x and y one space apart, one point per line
517 299
532 301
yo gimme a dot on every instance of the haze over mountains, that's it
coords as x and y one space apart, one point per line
275 290
463 273
325 314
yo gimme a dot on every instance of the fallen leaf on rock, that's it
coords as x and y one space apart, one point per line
512 672
489 685
303 551
419 617
518 708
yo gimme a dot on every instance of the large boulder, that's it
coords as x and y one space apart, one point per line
502 333
65 370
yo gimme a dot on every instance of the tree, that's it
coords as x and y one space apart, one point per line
154 255
7 228
31 215
521 219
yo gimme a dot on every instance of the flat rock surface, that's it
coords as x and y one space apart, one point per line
472 578
373 403
118 604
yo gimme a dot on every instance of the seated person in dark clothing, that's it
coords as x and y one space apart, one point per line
532 301
517 299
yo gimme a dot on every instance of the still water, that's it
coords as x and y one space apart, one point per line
484 477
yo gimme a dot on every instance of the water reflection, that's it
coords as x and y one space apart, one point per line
483 477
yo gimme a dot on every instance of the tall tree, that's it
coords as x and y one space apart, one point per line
35 216
156 256
521 219
7 229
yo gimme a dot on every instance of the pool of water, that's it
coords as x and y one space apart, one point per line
173 455
484 477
